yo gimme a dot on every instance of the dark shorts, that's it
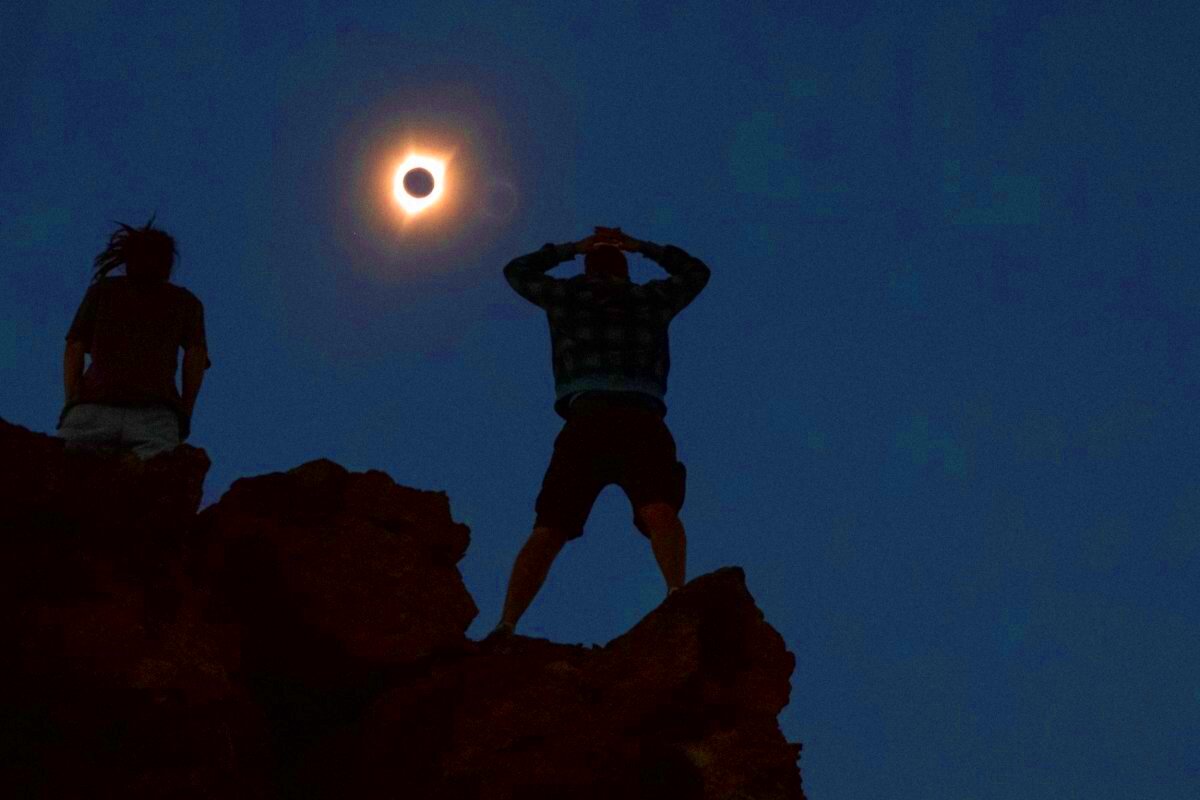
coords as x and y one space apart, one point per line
628 446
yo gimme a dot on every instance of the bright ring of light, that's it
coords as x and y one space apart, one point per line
414 205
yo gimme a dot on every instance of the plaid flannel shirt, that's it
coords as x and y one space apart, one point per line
607 333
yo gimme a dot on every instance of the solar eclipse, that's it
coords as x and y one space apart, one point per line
419 182
426 183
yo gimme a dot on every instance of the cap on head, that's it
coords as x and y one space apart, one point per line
606 260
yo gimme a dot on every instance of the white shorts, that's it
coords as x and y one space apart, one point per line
147 431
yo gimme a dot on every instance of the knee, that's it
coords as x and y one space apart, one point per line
657 516
546 539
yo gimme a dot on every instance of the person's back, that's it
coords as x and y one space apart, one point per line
136 329
608 334
133 326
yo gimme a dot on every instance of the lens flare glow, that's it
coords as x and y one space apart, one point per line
415 205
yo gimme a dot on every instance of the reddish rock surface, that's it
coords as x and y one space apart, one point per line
350 560
684 705
117 686
304 637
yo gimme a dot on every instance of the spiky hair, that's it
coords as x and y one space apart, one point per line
150 250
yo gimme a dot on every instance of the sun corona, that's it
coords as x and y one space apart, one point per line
411 167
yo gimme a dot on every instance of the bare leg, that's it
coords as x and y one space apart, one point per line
668 540
529 572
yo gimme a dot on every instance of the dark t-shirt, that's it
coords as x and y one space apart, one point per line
134 330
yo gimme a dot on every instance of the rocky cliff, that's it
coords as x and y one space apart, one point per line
304 637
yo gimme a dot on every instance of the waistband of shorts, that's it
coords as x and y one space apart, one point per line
595 400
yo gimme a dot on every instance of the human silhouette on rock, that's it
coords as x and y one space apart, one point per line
611 357
133 325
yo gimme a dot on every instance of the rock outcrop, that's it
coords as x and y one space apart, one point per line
304 637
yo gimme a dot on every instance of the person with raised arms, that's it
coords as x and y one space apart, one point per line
610 360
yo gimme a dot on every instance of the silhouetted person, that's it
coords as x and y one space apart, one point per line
133 325
611 358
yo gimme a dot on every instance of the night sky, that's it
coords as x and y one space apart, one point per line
938 398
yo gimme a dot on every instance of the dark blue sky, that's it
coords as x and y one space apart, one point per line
938 398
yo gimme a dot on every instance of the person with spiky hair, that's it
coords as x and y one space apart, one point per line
133 326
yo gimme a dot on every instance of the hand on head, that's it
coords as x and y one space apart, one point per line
607 237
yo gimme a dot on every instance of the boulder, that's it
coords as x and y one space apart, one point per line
305 637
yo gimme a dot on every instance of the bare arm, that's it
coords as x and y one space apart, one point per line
195 359
72 368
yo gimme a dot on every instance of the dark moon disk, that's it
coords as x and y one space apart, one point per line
418 182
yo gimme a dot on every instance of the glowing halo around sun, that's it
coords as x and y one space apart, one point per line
425 184
411 204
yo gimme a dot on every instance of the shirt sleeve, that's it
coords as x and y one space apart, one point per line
526 274
689 275
84 325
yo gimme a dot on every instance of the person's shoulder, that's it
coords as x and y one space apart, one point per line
106 286
184 294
